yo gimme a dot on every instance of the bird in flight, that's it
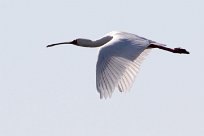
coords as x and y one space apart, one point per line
119 59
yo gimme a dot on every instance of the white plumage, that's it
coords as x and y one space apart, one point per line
119 59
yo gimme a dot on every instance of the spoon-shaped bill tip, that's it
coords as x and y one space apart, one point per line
50 45
58 44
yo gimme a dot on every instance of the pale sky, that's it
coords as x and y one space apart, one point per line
52 91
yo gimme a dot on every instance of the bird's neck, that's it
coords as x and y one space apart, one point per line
92 44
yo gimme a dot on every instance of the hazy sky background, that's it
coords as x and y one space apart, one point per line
52 91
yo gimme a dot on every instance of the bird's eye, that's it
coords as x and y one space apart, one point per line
74 42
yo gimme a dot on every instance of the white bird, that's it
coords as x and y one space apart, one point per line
119 59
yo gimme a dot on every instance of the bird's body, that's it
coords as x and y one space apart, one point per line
119 59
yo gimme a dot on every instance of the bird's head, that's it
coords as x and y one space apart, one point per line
86 42
78 42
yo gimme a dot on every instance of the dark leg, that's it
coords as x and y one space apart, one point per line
175 50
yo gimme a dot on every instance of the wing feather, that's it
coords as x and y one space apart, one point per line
118 64
132 69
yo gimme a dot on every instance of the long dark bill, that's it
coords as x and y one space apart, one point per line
58 44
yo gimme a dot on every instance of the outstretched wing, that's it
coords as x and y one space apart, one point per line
118 64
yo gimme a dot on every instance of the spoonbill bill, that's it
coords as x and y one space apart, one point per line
119 59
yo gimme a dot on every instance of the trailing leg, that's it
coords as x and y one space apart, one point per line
175 50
